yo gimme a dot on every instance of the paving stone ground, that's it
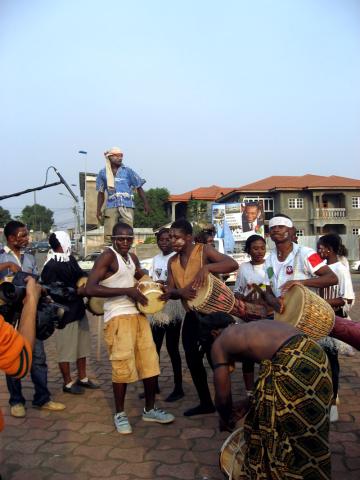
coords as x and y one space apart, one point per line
80 443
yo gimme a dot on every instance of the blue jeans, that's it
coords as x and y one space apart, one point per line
38 376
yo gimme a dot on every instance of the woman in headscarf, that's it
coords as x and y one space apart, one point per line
73 341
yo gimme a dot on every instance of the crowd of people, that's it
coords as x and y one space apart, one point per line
288 405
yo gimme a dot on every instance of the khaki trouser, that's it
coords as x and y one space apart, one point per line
113 216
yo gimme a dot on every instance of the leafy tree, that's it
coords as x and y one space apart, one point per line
37 218
198 212
5 217
157 198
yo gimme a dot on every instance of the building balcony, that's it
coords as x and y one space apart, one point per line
329 213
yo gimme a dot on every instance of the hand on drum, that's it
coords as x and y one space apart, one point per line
289 284
200 278
137 296
189 292
239 309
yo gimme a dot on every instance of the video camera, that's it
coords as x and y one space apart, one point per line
49 313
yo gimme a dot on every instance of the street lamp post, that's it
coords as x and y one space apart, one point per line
83 152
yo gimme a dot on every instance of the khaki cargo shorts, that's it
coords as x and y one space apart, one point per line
131 347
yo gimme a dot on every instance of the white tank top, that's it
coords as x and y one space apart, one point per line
123 278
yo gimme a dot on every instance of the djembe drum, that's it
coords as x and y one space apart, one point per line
213 296
308 312
152 292
95 305
232 455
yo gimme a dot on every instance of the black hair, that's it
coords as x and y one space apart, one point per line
121 225
281 215
12 227
54 242
203 236
161 232
250 240
333 241
183 225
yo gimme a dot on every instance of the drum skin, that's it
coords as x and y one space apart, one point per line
95 305
307 311
232 455
152 292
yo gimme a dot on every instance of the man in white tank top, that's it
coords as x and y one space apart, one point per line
127 332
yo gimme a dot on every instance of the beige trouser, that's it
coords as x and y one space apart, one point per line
113 216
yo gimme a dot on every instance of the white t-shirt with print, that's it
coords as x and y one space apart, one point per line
158 270
300 264
344 288
247 275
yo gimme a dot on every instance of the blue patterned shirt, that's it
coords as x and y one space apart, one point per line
126 180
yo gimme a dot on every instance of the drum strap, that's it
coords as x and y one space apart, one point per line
218 365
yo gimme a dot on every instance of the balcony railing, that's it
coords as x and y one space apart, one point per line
330 213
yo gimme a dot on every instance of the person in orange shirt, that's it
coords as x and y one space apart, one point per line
16 346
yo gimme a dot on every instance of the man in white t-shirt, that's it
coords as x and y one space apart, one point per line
290 264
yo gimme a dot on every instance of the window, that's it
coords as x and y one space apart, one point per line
267 202
355 202
296 203
300 233
356 231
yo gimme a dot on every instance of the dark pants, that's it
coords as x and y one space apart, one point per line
333 358
172 332
38 376
194 357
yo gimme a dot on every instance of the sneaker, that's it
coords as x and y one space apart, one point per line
334 414
88 384
52 406
122 423
18 410
157 415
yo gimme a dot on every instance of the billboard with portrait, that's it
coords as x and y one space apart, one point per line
238 220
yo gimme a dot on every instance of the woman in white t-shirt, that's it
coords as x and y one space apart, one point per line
341 297
249 273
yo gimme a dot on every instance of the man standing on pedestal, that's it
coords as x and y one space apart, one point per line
119 182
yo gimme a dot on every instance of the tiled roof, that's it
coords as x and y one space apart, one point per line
299 183
202 193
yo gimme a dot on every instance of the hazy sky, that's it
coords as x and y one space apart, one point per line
196 92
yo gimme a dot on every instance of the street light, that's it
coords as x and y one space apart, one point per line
84 152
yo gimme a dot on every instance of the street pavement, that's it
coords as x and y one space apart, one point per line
81 443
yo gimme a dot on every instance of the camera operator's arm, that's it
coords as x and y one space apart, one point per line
28 314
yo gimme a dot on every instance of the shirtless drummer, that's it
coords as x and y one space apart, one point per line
127 332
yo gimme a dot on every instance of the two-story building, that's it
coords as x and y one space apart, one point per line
317 204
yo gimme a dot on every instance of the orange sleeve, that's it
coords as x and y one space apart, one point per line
15 351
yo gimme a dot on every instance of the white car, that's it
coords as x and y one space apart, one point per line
88 262
355 265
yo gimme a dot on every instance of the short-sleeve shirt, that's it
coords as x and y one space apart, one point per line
159 268
27 262
125 180
247 275
300 264
343 289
